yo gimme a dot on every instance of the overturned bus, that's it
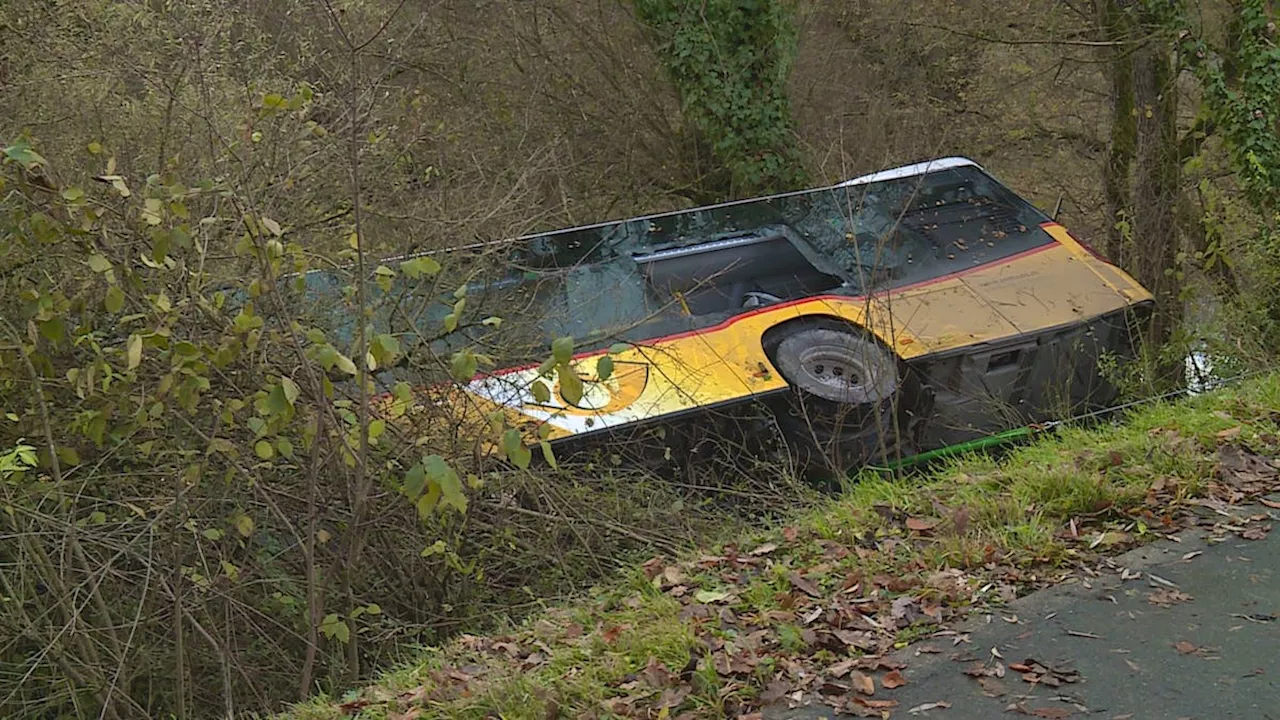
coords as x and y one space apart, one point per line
899 312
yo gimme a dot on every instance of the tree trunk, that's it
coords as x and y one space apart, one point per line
1118 27
1157 176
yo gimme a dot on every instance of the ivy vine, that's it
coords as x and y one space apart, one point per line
1245 104
729 60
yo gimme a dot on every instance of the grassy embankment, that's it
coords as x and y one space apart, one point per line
810 605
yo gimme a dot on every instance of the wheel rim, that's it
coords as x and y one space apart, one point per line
833 366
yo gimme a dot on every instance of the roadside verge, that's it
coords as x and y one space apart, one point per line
815 610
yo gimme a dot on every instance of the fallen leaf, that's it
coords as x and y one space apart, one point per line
1270 503
893 679
764 549
1038 673
1051 713
863 683
610 634
1110 539
905 611
1185 647
876 664
1193 554
672 697
673 575
776 690
1240 466
1167 597
856 639
875 704
711 596
922 525
657 675
1256 532
992 688
842 668
806 586
926 707
353 706
1229 434
790 534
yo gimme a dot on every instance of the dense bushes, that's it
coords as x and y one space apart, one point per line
199 516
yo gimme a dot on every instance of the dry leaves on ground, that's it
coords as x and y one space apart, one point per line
1168 597
1185 648
926 707
1038 673
893 679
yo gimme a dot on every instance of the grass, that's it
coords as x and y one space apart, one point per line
938 536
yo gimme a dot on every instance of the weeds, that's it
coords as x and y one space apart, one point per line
914 551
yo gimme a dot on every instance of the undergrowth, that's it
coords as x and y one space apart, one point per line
974 522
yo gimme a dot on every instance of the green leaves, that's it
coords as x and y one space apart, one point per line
385 349
272 226
440 472
548 454
513 447
133 351
562 349
20 152
345 364
464 365
114 300
415 482
383 276
570 384
335 628
431 483
118 183
729 61
452 319
152 211
420 267
604 368
245 320
291 390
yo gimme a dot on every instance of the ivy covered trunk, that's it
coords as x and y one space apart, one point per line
1157 178
729 60
1117 29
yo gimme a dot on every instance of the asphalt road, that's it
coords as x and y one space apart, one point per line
1214 655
